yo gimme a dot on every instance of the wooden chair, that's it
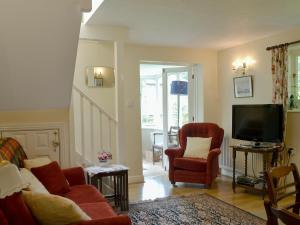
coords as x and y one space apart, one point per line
172 142
274 178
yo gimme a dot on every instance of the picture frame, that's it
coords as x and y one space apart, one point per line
243 87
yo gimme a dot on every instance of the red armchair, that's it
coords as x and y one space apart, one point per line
196 170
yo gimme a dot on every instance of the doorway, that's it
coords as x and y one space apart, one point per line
167 103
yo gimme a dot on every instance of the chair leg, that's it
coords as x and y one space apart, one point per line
271 219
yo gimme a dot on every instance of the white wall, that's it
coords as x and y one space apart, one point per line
95 53
262 82
134 54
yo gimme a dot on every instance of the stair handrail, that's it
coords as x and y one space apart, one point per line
94 103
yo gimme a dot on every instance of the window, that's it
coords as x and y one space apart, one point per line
151 101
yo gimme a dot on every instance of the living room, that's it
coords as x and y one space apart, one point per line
123 44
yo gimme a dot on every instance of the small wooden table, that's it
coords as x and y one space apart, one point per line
119 175
265 151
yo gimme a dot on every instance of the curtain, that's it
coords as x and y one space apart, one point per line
280 89
279 75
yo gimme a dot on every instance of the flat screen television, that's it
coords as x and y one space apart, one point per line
258 123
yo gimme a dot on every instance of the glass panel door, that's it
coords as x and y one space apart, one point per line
177 109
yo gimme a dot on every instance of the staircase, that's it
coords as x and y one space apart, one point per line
94 130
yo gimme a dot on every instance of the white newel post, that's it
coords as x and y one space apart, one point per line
119 100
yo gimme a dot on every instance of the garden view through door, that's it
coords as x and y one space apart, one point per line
175 104
166 104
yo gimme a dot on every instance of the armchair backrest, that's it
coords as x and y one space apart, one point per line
201 130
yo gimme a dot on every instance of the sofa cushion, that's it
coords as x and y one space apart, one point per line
98 210
53 209
52 177
34 184
192 164
84 194
36 162
16 211
3 220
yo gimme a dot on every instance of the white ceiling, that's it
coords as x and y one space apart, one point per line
199 23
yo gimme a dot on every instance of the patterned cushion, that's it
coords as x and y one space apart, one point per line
12 151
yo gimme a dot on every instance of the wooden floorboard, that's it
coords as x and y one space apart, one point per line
159 187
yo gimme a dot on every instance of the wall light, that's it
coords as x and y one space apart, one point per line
242 66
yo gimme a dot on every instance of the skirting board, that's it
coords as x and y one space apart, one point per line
226 171
136 179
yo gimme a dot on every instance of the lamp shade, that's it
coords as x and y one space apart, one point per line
11 181
179 87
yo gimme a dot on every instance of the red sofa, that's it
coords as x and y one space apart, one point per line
195 170
13 210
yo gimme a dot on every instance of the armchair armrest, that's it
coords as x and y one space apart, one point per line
75 176
212 169
173 153
117 220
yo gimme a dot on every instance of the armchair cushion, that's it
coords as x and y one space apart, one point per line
191 164
197 147
91 194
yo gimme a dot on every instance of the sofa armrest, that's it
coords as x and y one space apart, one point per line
117 220
75 176
212 164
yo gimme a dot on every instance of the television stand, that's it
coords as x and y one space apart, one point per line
265 151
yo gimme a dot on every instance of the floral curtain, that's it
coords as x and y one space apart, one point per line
279 75
280 88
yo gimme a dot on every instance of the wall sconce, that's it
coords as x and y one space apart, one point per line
242 66
99 76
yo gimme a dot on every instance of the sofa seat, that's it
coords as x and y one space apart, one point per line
191 164
84 194
98 210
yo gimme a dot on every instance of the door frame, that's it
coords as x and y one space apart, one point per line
64 153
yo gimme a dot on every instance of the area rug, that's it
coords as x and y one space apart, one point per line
200 209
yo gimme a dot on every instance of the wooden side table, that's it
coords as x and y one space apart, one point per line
265 151
119 175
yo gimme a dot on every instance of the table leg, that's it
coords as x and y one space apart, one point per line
246 163
264 172
233 176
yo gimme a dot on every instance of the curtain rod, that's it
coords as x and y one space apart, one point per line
282 45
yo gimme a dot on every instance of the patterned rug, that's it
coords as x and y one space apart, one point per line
201 209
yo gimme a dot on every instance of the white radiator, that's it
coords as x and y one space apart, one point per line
255 161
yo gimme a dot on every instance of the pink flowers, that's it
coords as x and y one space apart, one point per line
104 156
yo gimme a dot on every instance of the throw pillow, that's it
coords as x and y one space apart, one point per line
53 209
3 220
197 147
36 162
16 211
52 177
34 184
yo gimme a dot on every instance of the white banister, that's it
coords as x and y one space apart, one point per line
95 104
102 137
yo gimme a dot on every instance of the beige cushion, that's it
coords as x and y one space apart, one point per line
53 209
36 162
197 147
34 184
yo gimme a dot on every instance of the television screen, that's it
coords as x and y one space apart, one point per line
258 123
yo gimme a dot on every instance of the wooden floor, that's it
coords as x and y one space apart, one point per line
158 186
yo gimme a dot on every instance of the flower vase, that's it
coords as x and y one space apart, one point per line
103 162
